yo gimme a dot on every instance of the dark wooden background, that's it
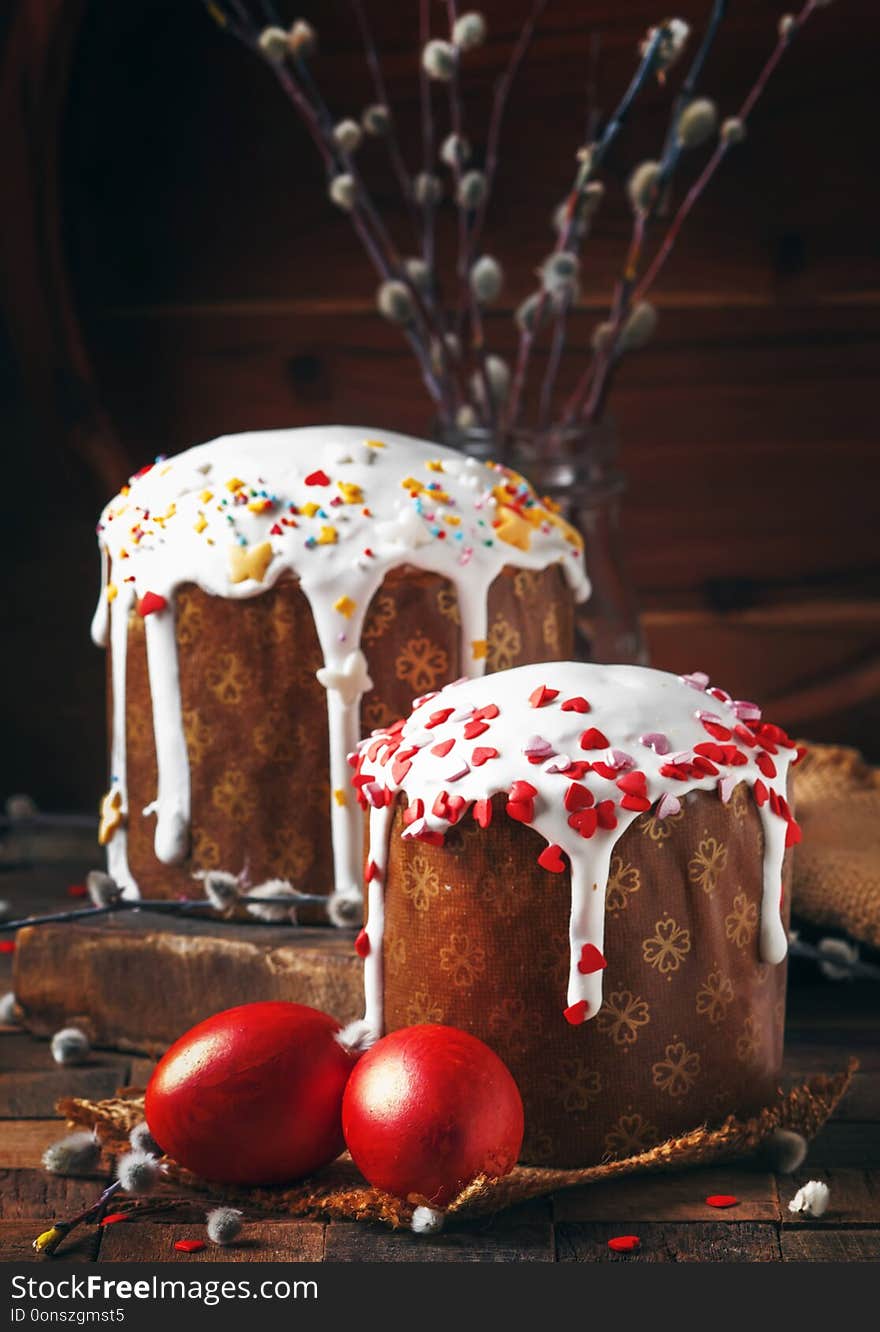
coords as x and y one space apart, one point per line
171 271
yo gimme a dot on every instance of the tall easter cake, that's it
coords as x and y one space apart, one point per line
264 593
585 866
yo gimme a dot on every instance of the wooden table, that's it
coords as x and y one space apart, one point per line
827 1022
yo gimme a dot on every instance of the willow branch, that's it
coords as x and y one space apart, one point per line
599 391
590 160
374 64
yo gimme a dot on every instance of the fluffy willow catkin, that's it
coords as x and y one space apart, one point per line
469 31
427 189
641 184
280 902
439 60
394 302
69 1046
137 1171
376 120
347 135
697 122
103 890
223 1224
486 279
77 1154
142 1140
455 150
8 1009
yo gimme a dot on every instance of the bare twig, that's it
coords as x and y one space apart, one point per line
589 161
636 291
374 64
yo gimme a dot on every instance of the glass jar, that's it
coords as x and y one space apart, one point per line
578 469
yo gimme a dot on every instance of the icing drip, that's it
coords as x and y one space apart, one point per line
338 510
172 802
117 857
580 751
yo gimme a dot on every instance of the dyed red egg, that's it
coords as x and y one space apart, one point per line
252 1095
429 1108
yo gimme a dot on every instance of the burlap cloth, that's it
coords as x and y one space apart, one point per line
339 1192
837 866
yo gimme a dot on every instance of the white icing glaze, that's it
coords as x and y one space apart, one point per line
656 737
338 507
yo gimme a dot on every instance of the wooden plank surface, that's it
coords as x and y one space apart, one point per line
855 1197
259 1242
713 1242
674 1197
17 1239
830 1246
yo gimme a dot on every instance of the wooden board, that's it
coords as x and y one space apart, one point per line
713 1242
259 1242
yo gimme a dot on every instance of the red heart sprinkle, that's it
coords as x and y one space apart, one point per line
634 783
7 945
150 603
523 791
578 797
443 748
801 751
719 732
604 770
189 1246
551 859
674 770
704 766
575 1013
591 960
488 712
77 890
474 728
399 769
538 697
593 739
362 944
482 812
577 704
438 718
276 530
414 811
639 803
624 1243
523 811
606 815
113 1218
793 835
577 770
766 764
318 478
482 754
584 822
721 1200
759 791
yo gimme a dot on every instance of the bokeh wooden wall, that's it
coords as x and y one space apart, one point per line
217 290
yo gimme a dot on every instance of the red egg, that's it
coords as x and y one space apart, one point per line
429 1108
252 1095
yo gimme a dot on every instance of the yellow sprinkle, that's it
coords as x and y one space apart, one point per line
112 592
309 509
452 519
327 536
249 562
479 649
261 505
410 483
345 606
351 493
376 444
340 797
234 483
513 529
125 490
123 554
206 496
434 465
201 523
166 468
